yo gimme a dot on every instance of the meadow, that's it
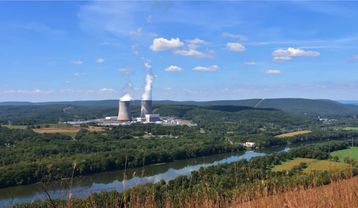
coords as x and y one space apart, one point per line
352 152
351 128
293 134
289 165
326 165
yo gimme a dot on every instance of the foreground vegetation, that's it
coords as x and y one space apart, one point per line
231 184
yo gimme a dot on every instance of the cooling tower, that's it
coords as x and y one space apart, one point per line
124 113
146 108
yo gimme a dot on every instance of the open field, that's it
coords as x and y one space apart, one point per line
65 130
351 128
289 165
293 133
351 152
15 127
326 165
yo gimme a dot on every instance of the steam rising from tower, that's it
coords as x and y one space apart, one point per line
147 95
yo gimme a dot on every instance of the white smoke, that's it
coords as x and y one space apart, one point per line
147 95
126 97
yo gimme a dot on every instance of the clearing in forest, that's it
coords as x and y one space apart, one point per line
293 134
351 128
351 152
289 165
65 130
325 165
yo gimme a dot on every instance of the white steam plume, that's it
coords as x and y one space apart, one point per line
147 95
126 97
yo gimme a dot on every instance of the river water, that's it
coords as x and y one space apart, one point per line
83 186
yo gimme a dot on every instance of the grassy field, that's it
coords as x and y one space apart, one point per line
351 128
289 165
14 127
351 152
325 165
293 134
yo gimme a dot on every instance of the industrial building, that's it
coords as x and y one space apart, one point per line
152 118
124 112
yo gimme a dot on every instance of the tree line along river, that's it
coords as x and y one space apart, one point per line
83 186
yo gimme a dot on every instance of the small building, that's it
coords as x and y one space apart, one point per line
111 118
152 118
249 144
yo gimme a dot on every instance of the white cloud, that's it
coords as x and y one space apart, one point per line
271 71
210 68
193 46
321 86
194 53
50 63
76 62
104 43
355 57
125 70
29 92
168 88
134 49
235 47
4 85
106 90
197 41
153 35
149 18
67 81
99 60
281 58
283 54
173 69
71 91
80 74
138 32
241 37
162 44
250 63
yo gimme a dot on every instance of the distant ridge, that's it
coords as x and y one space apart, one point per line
293 105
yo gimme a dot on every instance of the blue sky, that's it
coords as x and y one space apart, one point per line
58 51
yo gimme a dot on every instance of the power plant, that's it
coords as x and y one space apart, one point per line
146 108
124 113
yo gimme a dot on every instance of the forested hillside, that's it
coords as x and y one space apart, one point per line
292 105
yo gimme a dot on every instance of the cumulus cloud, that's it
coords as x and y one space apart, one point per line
76 62
173 69
99 60
193 46
229 35
67 81
250 63
197 41
104 43
162 44
80 74
149 18
287 54
210 68
235 47
193 52
271 71
168 88
138 32
211 51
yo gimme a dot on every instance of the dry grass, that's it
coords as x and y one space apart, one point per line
343 193
293 134
326 165
65 130
289 165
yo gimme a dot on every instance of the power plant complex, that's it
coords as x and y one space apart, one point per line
146 116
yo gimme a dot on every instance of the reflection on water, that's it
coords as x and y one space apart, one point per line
82 186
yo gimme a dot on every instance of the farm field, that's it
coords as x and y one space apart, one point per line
15 127
351 128
351 152
325 165
289 165
65 130
293 134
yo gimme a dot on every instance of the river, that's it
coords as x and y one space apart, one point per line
83 186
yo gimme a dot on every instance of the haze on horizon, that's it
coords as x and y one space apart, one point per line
197 51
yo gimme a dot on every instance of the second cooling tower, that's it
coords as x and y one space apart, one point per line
146 108
124 113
